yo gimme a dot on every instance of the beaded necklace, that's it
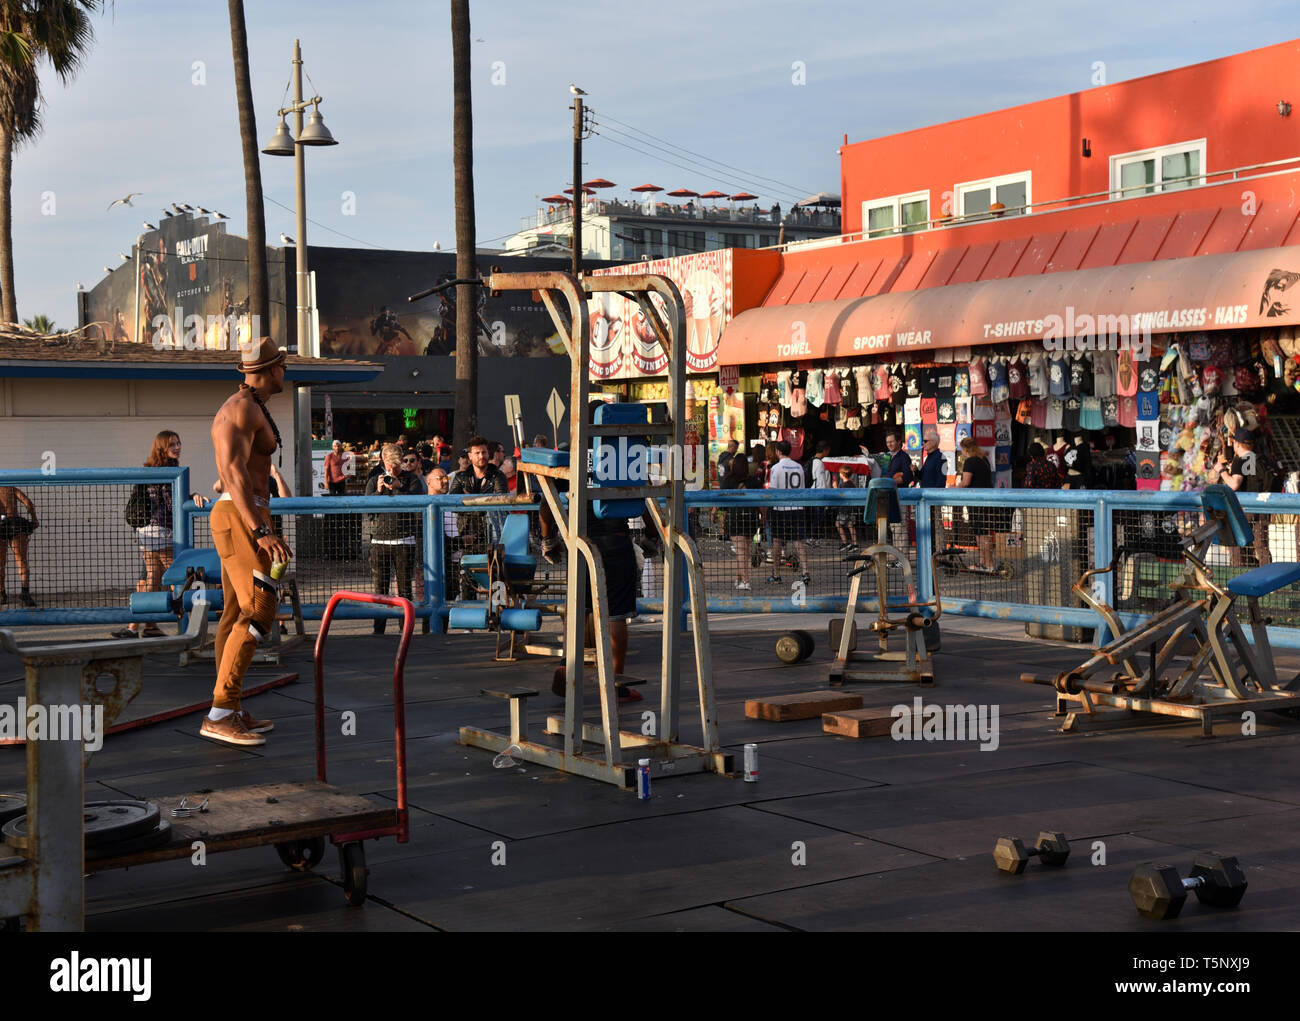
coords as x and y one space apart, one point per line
274 429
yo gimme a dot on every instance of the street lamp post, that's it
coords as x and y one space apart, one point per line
284 144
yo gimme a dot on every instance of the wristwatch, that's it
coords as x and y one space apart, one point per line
261 532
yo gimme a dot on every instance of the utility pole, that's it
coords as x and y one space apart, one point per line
465 424
577 186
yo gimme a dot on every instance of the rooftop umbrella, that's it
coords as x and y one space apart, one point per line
715 194
585 191
556 198
647 187
682 193
598 182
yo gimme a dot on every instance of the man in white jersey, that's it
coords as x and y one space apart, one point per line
789 521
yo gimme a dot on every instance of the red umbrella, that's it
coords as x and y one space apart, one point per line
585 191
556 198
599 182
715 194
743 196
647 187
682 193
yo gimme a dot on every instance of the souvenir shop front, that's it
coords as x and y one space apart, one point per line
1144 390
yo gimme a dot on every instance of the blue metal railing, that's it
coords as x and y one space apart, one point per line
1105 513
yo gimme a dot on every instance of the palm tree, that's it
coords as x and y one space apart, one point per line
257 287
31 32
40 324
466 423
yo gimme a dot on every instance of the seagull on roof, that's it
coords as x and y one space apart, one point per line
221 216
188 208
575 90
168 214
124 201
203 212
80 288
125 258
285 239
107 270
148 225
177 208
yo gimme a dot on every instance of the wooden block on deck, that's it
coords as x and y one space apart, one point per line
859 722
804 705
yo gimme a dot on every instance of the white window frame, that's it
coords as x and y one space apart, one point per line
895 202
1119 161
991 183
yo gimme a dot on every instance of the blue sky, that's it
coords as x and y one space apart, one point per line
713 78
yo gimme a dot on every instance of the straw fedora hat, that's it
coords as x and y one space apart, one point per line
259 355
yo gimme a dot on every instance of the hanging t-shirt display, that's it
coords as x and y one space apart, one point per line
947 436
1126 377
883 392
832 386
866 385
1037 372
848 389
1110 411
979 381
912 382
947 408
1038 416
798 402
1071 415
1149 378
1025 411
961 381
998 390
1090 417
1058 376
1128 412
1017 382
897 385
985 434
964 409
1080 375
816 395
929 411
1055 412
783 388
929 378
1103 374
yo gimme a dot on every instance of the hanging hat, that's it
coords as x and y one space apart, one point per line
258 355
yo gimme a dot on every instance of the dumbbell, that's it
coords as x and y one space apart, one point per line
1051 848
1158 892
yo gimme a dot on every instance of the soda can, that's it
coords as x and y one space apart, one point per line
278 568
643 779
751 763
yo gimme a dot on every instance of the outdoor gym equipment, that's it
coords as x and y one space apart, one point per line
1159 892
1197 632
917 619
619 497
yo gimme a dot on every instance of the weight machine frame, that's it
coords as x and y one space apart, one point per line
668 756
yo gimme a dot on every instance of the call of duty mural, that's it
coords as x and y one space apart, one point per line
186 285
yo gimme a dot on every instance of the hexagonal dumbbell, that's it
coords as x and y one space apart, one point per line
1158 892
1050 848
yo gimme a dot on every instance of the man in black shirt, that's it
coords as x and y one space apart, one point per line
481 478
394 538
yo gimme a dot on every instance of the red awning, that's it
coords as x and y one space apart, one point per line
1208 292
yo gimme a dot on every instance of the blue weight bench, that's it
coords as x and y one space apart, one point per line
195 571
504 576
1191 659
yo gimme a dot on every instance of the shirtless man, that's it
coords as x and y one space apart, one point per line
244 437
14 530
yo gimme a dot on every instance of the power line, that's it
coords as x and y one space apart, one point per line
324 226
673 145
726 179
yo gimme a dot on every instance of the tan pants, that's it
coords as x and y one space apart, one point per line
250 599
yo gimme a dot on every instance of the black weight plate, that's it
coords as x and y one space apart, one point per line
12 805
106 823
138 842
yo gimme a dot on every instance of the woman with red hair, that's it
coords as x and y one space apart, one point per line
155 537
